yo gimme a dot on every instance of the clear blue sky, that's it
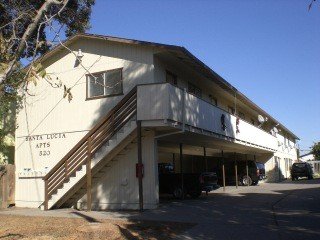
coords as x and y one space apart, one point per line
269 50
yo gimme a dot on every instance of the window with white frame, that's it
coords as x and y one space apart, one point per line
104 84
194 90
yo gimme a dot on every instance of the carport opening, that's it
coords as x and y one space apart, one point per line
176 171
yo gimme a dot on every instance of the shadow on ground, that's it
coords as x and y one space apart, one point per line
286 210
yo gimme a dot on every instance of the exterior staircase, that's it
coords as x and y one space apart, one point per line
89 159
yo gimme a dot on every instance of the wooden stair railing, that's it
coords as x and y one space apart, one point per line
82 152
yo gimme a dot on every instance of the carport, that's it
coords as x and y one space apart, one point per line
195 153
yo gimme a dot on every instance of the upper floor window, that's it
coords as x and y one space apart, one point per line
213 100
194 90
231 110
104 84
171 78
241 115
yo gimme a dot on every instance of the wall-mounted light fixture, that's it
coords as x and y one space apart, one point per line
79 55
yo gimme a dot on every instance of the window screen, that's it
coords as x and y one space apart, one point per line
103 84
194 90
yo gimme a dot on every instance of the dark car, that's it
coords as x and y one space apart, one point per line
253 173
193 183
301 170
262 171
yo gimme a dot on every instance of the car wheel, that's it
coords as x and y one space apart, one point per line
310 177
178 193
246 180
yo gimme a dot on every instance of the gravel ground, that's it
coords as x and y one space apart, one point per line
47 228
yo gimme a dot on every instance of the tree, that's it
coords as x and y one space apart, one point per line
311 3
25 29
315 150
24 24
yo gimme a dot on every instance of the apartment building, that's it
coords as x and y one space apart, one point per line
134 104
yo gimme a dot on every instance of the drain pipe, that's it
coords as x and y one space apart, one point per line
183 118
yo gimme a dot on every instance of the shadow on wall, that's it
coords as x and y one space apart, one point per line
132 74
275 175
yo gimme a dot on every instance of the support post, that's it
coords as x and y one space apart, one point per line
205 158
46 196
236 169
140 164
223 173
247 169
89 177
192 164
173 161
181 170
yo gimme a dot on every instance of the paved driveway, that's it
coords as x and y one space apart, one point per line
287 210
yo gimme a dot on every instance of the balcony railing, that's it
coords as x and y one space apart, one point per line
167 102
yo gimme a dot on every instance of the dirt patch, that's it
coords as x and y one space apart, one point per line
49 228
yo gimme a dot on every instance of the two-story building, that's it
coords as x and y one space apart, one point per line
135 104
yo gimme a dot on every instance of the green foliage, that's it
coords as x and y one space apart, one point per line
16 17
74 18
315 149
310 5
10 103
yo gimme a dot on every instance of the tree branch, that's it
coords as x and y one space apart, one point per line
28 33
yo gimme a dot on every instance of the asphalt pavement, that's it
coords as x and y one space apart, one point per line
286 210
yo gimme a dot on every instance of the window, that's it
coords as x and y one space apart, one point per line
231 110
171 78
103 84
241 115
213 100
194 90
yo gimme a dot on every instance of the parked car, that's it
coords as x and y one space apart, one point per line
301 170
262 171
253 173
193 183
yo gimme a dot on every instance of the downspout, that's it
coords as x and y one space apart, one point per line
183 118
